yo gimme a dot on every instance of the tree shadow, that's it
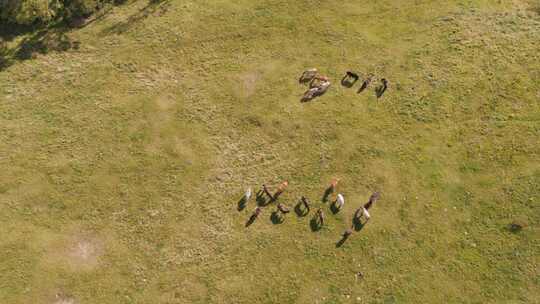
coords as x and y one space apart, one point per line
10 31
52 39
276 218
43 38
153 7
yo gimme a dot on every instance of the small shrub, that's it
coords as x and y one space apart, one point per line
27 12
517 225
43 12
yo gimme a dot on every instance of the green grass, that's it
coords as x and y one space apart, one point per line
124 155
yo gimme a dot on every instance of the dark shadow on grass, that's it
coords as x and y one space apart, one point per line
10 31
347 82
379 91
242 203
304 80
315 225
301 212
340 243
334 208
276 218
153 7
362 87
45 38
52 39
357 224
251 220
261 199
326 194
516 226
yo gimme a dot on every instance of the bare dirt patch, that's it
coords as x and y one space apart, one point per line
60 299
79 251
249 83
84 252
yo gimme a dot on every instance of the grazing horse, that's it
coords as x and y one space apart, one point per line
344 237
382 88
281 189
256 212
317 87
245 199
305 202
340 201
267 192
282 208
372 199
365 84
308 75
362 212
247 195
254 216
320 216
333 184
349 79
352 75
331 188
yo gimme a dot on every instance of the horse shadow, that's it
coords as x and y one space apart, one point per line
349 79
315 225
342 241
300 211
261 199
357 224
276 218
304 79
362 88
334 208
347 82
326 194
379 91
251 220
242 203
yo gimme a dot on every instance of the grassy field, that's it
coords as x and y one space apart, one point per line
126 144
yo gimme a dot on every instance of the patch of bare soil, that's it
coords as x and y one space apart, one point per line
85 252
63 300
249 83
80 252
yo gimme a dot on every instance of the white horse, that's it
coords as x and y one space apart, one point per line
247 195
340 201
360 212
